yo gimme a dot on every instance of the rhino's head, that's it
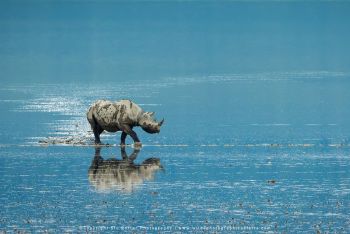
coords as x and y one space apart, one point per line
149 124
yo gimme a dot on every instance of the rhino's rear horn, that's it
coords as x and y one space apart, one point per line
161 122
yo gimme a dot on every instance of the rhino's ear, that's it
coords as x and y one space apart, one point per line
151 113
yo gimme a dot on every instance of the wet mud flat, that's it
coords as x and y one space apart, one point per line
167 189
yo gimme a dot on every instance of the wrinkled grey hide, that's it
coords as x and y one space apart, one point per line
122 116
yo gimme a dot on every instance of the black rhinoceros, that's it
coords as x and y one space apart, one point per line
122 116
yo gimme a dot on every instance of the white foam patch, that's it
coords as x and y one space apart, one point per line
149 104
270 124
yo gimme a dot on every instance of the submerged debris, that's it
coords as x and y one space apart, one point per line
271 181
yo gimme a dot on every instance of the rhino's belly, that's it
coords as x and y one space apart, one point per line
111 128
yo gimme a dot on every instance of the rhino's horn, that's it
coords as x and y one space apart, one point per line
161 122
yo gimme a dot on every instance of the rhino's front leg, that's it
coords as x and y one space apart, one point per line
127 129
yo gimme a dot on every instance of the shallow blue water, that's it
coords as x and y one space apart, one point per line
256 152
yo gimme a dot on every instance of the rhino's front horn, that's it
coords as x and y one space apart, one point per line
161 122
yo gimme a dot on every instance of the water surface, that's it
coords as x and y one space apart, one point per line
258 152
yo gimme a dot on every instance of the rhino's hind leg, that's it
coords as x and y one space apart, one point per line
97 131
96 128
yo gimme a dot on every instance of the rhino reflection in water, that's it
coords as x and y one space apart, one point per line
121 175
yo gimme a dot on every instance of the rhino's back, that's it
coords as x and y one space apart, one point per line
131 109
111 115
